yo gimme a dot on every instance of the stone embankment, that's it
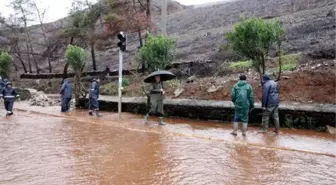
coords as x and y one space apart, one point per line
293 115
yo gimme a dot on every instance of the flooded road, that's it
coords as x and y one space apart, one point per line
51 148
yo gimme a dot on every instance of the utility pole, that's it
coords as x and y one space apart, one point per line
120 83
122 47
164 17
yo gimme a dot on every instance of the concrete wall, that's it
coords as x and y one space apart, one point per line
309 116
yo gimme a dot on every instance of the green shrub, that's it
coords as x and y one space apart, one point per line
124 82
5 63
288 67
240 65
158 52
75 56
253 38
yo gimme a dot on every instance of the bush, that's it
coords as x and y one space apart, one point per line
75 56
158 52
252 38
5 63
124 82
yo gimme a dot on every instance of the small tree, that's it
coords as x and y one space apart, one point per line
75 57
158 52
5 62
253 38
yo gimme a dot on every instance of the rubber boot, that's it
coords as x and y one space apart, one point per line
146 119
244 129
161 121
97 114
235 128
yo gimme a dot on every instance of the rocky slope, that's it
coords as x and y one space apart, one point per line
199 31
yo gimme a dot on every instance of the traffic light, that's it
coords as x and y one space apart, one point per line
122 41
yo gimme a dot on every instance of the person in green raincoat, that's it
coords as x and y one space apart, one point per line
243 98
156 100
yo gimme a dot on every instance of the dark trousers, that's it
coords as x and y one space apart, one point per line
93 104
9 105
65 104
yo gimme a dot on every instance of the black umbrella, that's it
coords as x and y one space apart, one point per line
164 76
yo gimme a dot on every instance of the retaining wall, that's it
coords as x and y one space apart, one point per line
309 116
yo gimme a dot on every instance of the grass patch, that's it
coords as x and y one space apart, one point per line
291 58
175 83
288 67
240 65
109 89
112 88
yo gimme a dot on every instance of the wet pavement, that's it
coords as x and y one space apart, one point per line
46 147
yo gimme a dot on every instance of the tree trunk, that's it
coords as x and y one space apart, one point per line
22 63
77 87
148 12
29 63
49 62
65 71
143 64
280 62
93 57
263 64
36 65
16 68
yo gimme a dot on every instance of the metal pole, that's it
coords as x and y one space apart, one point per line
120 82
164 17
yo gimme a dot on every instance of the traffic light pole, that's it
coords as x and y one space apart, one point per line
120 83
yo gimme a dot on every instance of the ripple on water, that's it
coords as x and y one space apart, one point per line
66 151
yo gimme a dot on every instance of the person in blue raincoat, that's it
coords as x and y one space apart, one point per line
93 97
66 95
8 93
270 104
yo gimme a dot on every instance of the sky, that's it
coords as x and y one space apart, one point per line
57 9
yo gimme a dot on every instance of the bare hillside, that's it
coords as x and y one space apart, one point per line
199 31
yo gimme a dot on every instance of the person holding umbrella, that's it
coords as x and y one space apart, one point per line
157 93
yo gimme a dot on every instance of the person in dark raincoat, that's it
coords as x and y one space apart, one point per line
270 104
93 97
156 100
66 95
8 93
243 98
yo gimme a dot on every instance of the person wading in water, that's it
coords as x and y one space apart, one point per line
156 100
93 97
243 99
8 93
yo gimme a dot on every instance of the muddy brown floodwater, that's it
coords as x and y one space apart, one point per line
55 149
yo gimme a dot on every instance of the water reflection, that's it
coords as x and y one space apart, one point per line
77 149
